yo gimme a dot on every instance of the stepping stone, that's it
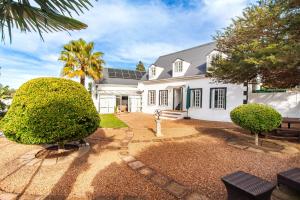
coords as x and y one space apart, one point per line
238 146
255 150
290 150
124 143
160 180
124 153
177 189
146 171
196 196
8 196
128 159
136 165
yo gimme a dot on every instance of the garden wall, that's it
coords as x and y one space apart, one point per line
287 103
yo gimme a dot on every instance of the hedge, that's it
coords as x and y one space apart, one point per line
50 110
257 118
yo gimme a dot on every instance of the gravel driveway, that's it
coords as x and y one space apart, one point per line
196 162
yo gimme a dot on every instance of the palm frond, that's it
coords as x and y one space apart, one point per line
50 16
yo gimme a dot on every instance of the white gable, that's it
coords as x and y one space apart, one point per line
179 67
154 72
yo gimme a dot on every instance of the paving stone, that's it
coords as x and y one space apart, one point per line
160 180
290 150
238 146
196 196
176 189
255 150
136 165
8 196
128 159
124 153
275 153
146 171
130 134
124 144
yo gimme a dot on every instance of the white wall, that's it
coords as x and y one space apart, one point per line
287 103
234 98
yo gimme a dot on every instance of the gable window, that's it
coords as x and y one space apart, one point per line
196 98
218 98
153 71
178 66
163 97
151 97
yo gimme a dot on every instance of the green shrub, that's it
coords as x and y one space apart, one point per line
256 118
50 110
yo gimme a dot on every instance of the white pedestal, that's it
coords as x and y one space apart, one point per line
158 128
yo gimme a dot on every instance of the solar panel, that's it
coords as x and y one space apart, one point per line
125 74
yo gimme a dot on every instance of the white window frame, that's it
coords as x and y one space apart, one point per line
196 98
153 71
163 97
151 97
178 66
218 98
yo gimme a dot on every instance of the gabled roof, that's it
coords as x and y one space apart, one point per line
107 79
196 56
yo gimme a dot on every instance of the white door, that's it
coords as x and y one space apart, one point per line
134 104
107 104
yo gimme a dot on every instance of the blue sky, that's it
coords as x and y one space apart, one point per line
125 30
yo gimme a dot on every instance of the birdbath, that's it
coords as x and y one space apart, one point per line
158 125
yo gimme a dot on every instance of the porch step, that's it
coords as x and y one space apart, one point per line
173 115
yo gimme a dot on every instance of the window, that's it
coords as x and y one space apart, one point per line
151 97
218 98
178 66
153 71
163 97
196 98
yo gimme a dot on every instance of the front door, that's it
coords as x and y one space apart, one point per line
177 98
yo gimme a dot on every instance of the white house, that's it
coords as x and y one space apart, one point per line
178 81
118 90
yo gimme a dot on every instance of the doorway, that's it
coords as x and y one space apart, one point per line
177 99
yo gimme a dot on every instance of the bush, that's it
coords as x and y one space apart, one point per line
256 118
50 110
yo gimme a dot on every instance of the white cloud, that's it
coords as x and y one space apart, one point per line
126 32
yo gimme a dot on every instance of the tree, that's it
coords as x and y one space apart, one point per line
81 61
264 42
5 93
49 111
256 118
140 67
46 16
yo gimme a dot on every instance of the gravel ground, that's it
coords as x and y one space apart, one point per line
197 163
200 163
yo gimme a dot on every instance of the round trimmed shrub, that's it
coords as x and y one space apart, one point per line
50 110
256 118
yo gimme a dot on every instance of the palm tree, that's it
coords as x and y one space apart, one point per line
81 61
46 16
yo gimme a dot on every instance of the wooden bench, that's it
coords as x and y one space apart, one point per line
290 178
243 186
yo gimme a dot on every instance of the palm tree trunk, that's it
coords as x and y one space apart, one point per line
82 77
82 80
